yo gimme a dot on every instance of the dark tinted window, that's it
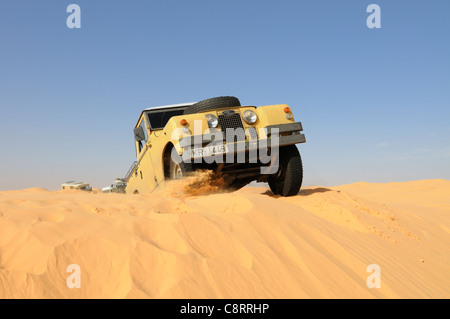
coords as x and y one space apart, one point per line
159 119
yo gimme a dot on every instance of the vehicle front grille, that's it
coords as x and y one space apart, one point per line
253 133
233 122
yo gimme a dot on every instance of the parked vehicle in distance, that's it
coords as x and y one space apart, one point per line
222 136
76 185
118 186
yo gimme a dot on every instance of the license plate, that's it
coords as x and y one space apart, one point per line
209 151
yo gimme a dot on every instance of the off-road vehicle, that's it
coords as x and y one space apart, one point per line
240 143
76 185
118 186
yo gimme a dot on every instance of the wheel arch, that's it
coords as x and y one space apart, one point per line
166 159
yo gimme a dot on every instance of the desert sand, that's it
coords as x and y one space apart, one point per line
246 244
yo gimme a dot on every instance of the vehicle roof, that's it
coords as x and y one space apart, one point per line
73 183
155 108
169 106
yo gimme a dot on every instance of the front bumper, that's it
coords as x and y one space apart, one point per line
277 135
288 134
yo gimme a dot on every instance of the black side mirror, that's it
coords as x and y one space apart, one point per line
139 134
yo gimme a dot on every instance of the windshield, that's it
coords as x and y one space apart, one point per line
158 119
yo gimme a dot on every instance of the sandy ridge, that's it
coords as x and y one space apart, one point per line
247 244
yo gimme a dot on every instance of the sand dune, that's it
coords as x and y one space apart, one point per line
247 244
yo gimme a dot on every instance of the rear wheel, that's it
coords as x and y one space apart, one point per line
288 180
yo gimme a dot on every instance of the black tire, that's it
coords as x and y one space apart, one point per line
288 180
213 104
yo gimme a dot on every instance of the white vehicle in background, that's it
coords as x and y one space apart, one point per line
118 186
76 185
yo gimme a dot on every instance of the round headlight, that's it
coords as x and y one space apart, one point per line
250 117
212 120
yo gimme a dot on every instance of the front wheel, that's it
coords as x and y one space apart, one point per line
177 168
175 171
288 180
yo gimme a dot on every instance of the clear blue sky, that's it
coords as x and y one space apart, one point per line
374 103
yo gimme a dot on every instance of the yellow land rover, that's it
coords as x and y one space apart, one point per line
240 143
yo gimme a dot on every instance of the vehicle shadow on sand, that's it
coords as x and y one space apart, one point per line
303 192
